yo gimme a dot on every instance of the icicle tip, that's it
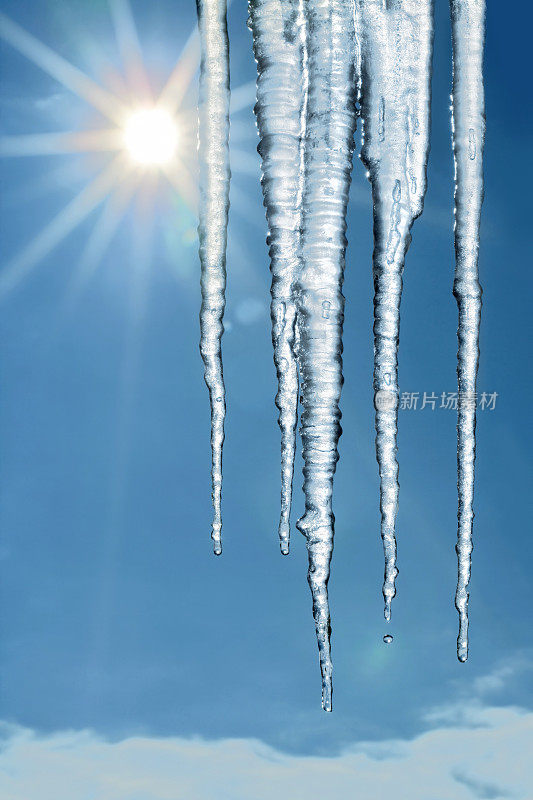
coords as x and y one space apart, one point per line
284 538
327 692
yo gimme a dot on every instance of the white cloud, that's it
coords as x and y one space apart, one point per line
504 674
489 761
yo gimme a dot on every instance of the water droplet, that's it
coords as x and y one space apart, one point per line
387 638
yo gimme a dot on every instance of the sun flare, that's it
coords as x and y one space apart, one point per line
151 136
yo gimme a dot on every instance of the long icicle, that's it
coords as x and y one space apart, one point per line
212 229
278 36
468 125
320 302
397 45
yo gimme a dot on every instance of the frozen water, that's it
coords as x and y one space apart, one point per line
396 52
328 162
315 60
279 46
468 125
212 230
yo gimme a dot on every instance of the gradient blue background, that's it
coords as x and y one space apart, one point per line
115 613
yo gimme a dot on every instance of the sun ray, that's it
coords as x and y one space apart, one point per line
119 179
40 144
101 236
68 219
60 69
129 376
180 177
182 75
130 49
242 97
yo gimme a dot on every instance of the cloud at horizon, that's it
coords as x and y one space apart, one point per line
482 754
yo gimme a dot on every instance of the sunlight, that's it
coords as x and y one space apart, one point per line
52 63
151 136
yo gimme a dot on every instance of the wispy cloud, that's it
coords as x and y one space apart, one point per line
447 763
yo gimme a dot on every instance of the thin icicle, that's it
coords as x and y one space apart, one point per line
278 36
212 230
397 43
468 124
328 163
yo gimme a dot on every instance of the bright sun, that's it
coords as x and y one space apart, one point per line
151 136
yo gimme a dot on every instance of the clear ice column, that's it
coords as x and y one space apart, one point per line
279 45
212 230
328 162
396 59
468 125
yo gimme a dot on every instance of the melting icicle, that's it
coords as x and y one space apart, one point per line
328 162
397 43
278 36
468 124
212 230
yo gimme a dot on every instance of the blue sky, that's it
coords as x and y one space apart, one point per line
116 616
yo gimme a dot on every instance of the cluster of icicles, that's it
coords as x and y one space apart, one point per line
322 64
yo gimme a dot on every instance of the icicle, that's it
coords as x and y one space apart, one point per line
278 36
328 162
212 230
397 43
468 124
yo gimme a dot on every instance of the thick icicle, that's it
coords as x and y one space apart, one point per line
212 230
468 123
328 163
278 36
397 43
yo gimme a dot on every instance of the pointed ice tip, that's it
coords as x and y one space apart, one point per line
462 653
326 695
284 533
217 548
387 612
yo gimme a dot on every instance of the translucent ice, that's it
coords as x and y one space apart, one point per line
212 230
396 52
279 46
328 162
468 124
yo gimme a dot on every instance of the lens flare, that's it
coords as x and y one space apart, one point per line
151 136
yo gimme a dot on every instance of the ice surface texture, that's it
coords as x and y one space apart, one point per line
328 163
279 47
468 124
212 230
315 59
396 53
